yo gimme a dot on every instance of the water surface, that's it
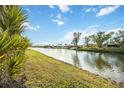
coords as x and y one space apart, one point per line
105 64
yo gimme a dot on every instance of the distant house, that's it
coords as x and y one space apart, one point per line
113 45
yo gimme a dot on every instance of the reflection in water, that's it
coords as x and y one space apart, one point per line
76 59
104 64
100 63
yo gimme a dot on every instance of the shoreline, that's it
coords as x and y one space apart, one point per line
80 70
98 50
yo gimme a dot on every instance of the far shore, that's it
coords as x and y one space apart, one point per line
90 49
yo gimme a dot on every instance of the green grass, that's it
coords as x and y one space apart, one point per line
104 50
43 71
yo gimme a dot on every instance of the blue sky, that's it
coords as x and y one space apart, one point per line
56 24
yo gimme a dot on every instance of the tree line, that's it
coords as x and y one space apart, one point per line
100 39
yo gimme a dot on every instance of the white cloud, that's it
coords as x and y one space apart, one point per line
29 26
59 20
107 10
88 10
68 37
91 10
51 6
64 8
90 30
115 30
86 32
59 16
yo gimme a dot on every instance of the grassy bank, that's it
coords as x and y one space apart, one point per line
103 50
43 71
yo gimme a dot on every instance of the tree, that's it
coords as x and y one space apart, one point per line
12 18
12 45
76 38
100 38
87 40
119 38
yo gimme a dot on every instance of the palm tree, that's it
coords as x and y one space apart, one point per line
12 19
12 45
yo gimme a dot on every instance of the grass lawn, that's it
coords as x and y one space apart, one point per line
43 71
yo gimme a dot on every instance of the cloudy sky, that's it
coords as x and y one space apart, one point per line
56 24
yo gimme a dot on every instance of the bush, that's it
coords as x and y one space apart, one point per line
12 46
